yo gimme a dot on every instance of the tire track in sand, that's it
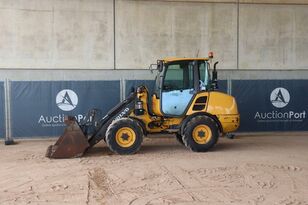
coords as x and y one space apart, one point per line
98 188
246 184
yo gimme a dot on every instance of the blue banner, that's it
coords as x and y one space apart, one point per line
38 108
2 116
272 105
223 86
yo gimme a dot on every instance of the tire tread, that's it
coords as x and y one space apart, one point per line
187 138
112 129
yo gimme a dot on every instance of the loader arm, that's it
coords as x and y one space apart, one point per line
122 109
75 142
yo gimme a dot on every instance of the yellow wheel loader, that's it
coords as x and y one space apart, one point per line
185 102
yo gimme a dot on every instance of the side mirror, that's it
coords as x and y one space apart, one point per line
152 67
214 77
159 66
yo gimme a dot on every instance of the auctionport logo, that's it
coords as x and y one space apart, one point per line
67 100
280 98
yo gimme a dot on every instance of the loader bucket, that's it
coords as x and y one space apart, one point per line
73 143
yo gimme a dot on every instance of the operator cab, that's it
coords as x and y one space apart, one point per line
178 81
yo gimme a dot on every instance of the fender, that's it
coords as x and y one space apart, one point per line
142 125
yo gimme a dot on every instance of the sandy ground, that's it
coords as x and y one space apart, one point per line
247 170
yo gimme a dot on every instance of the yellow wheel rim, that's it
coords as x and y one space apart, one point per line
202 134
125 137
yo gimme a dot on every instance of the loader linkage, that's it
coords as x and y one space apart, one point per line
78 137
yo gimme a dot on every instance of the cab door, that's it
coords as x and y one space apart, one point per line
178 87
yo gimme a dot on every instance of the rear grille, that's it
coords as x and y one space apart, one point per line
200 103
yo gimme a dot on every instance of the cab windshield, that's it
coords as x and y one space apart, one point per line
180 76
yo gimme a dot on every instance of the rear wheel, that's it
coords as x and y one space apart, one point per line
201 133
124 136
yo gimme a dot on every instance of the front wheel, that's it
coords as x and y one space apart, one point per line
124 136
200 134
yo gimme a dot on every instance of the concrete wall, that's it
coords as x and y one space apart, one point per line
158 29
76 39
56 34
273 36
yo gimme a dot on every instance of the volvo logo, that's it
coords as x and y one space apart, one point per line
280 97
67 100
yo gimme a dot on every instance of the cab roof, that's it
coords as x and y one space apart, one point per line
173 59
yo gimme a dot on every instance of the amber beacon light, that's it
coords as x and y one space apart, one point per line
211 54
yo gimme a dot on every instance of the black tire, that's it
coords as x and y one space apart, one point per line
124 136
179 138
200 134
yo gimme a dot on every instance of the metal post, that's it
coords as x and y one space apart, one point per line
122 91
229 86
7 104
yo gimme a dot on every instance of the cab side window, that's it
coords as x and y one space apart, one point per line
179 77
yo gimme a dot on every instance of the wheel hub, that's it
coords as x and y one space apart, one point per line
125 137
202 134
